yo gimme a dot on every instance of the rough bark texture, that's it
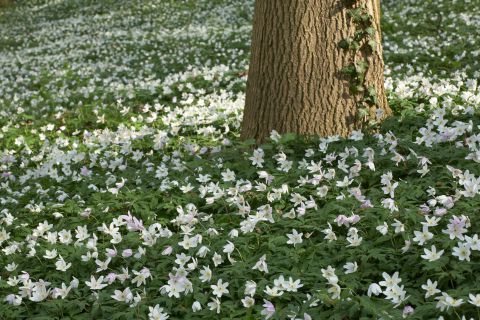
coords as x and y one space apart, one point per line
295 83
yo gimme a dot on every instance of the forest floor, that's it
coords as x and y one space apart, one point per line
126 193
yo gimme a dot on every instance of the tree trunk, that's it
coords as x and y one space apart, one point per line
297 80
4 3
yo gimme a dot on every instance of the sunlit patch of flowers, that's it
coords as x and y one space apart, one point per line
125 191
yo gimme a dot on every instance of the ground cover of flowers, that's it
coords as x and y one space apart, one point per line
125 192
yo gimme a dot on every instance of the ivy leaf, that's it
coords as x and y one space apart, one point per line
371 31
363 112
345 43
361 67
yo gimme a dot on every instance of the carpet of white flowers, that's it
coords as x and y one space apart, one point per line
126 193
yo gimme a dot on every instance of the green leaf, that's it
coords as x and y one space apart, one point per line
345 43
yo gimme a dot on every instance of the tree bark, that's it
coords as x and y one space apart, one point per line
295 80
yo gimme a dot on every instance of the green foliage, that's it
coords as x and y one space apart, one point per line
188 125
